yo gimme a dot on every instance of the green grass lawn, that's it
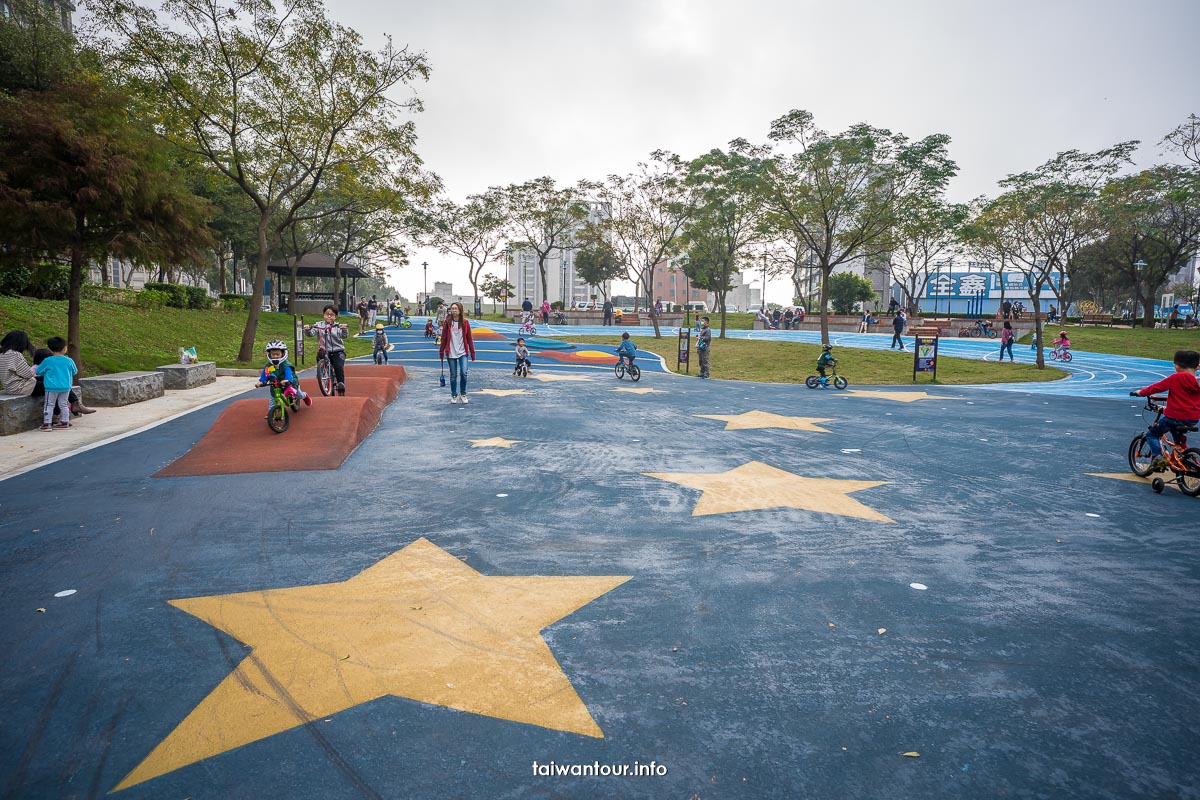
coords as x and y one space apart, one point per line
115 338
789 362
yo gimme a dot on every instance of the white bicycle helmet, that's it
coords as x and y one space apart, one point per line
276 344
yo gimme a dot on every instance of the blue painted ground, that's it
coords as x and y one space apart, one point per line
1054 654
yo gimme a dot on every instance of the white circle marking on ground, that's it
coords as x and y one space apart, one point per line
65 593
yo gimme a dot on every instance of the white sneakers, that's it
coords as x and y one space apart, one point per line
464 400
453 399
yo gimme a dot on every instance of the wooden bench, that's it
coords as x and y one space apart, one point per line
19 413
1096 319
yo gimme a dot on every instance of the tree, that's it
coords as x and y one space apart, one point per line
544 217
597 261
82 178
846 290
927 229
36 53
496 289
275 100
474 230
844 194
727 220
1186 139
646 212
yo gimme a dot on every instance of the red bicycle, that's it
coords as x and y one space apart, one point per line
1182 461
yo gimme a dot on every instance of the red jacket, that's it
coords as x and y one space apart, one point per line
468 343
1183 400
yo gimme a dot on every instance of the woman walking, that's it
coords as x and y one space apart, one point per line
456 346
1006 341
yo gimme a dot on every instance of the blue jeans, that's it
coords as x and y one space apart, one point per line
897 341
1155 432
1006 346
458 375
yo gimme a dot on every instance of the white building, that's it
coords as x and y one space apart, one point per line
744 296
126 275
562 284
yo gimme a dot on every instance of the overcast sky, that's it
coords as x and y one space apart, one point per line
585 88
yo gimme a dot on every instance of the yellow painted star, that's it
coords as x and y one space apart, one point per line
1129 476
495 441
764 419
501 392
419 624
632 390
900 397
548 378
755 486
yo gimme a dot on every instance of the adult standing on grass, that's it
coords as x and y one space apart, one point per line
1006 341
608 312
16 376
456 346
362 315
898 324
372 312
703 342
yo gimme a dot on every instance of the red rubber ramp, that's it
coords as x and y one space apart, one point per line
320 437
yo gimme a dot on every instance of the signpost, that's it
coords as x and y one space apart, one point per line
298 321
925 348
685 345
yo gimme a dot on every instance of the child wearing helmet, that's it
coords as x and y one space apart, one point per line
826 359
1062 344
379 344
277 365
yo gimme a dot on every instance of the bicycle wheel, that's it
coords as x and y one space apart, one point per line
812 381
277 418
1140 458
619 369
991 334
1067 356
1189 482
840 382
635 373
325 377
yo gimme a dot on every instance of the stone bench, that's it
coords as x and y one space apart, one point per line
188 376
19 413
122 388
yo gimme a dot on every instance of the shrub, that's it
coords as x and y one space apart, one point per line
235 303
44 281
196 297
152 298
177 296
109 294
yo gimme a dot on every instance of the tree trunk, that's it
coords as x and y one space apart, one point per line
337 281
292 291
103 265
1037 328
75 291
825 270
221 272
246 351
542 272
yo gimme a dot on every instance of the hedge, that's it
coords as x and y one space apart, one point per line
179 296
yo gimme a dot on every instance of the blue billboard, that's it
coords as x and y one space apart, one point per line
969 285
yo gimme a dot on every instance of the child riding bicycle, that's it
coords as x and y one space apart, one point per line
1062 344
627 350
331 332
522 353
278 366
1183 402
826 359
379 345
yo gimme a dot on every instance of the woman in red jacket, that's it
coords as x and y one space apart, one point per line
456 346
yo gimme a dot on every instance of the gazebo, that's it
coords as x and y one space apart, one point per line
313 265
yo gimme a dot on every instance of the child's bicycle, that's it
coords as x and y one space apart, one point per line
620 369
284 402
978 330
521 370
813 381
1182 460
527 327
1059 354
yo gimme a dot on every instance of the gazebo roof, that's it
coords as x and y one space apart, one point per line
315 265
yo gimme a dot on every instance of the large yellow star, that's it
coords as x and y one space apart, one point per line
419 624
900 397
495 441
764 419
755 486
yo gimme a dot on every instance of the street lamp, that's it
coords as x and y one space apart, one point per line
1137 287
425 266
764 288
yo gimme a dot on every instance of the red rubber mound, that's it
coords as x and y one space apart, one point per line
319 437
